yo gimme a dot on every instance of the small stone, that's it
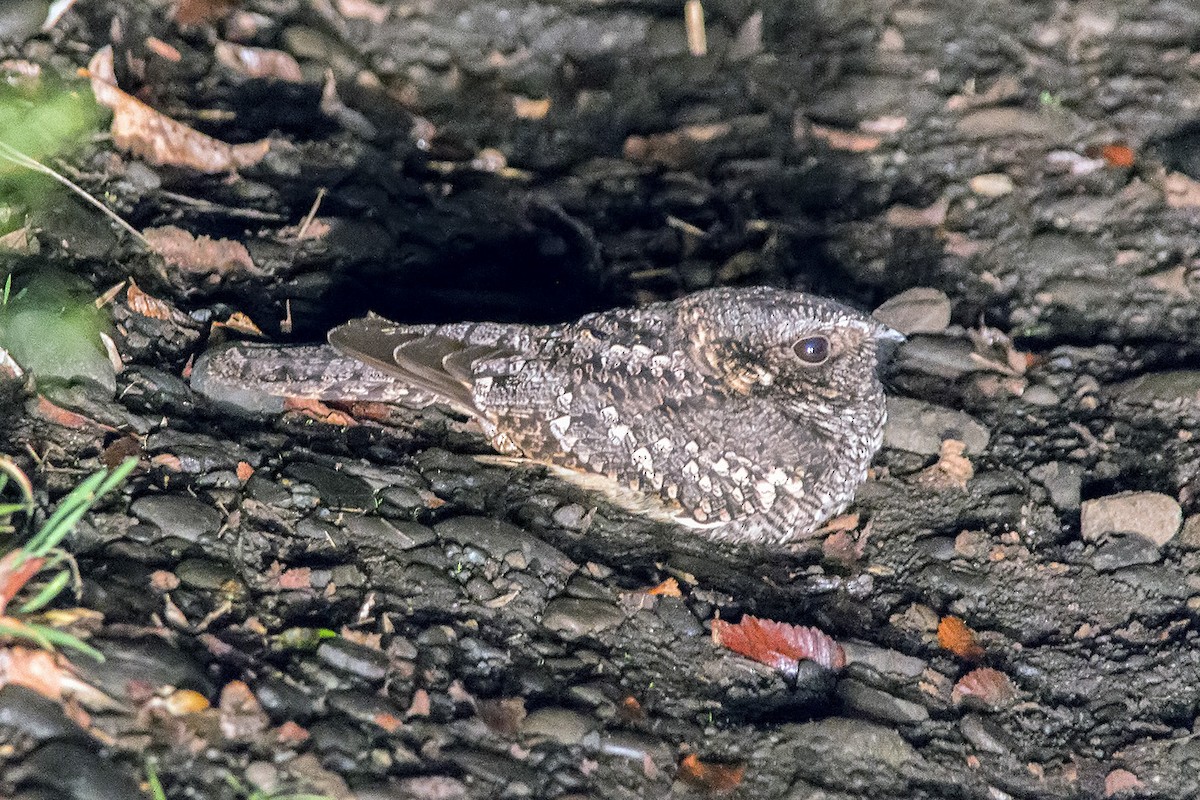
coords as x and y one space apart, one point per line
1189 537
877 704
991 184
1124 551
576 617
176 515
1155 516
916 310
920 427
1064 481
991 123
560 724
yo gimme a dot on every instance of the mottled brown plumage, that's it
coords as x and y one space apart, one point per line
748 414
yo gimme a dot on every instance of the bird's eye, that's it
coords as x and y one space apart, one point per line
813 351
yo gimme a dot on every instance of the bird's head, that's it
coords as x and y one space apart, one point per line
787 344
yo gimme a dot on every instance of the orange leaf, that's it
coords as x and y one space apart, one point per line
778 644
954 635
244 471
34 669
668 588
709 776
14 576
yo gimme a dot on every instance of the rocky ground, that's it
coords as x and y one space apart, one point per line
343 602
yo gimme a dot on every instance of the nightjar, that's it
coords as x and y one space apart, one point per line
749 415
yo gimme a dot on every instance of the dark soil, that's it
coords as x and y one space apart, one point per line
372 613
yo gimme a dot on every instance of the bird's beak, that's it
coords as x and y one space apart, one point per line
888 341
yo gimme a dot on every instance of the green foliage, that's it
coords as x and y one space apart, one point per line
41 553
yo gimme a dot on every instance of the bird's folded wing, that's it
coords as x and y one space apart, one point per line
423 357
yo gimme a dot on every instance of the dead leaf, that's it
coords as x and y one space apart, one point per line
668 588
953 470
199 12
259 62
848 141
244 471
530 108
149 134
16 570
239 322
503 715
778 644
709 776
954 635
185 701
115 454
989 687
903 216
291 733
58 415
315 409
41 670
200 255
147 305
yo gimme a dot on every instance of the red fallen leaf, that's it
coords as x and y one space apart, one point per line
954 635
778 644
148 305
58 415
244 471
709 776
15 573
991 687
1115 154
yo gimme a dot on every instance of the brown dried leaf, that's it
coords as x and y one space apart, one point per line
848 141
503 715
58 415
241 323
709 776
147 305
778 644
201 255
199 12
315 409
149 134
954 635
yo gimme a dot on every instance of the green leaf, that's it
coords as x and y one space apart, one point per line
49 592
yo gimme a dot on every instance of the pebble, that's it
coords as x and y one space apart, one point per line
563 725
499 539
991 184
1063 480
354 659
1154 516
58 345
1189 537
1173 387
1124 551
916 310
1039 394
388 534
27 713
948 357
575 617
920 427
141 661
75 772
336 488
878 704
986 735
424 787
888 662
991 123
178 515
